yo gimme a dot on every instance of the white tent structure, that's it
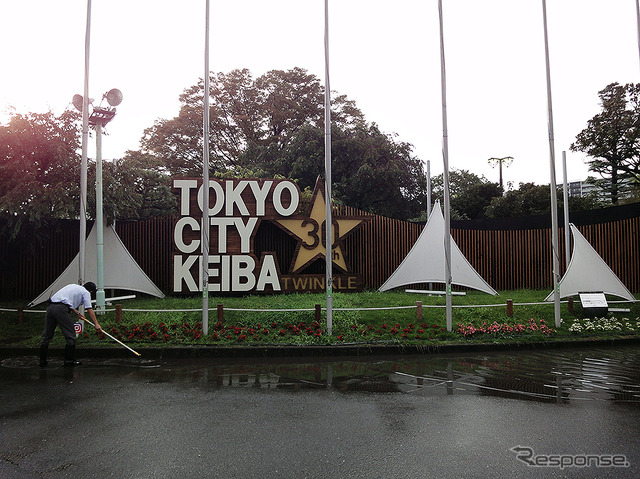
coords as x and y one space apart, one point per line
587 272
425 263
120 270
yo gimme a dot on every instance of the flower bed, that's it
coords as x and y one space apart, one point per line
186 332
624 325
504 329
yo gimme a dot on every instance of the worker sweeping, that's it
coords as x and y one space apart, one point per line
62 303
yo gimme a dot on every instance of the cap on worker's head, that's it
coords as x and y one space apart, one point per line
91 287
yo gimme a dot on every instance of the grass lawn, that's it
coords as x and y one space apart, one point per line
361 318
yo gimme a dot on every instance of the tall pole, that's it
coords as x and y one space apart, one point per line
205 182
428 188
327 170
430 285
100 296
85 139
565 196
445 157
552 166
638 23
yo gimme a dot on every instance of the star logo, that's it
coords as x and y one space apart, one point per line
311 233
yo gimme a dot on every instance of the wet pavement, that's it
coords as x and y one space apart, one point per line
560 413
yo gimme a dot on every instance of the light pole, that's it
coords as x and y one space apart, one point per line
83 106
507 160
99 118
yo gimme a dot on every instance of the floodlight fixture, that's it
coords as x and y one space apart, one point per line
113 96
77 102
507 160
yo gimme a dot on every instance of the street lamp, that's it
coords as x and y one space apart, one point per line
507 160
99 118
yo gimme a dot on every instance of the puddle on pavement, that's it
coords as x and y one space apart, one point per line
548 376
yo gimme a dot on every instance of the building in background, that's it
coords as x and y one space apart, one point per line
588 187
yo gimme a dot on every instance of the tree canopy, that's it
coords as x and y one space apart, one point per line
531 200
248 116
274 124
136 188
39 170
469 194
612 138
40 177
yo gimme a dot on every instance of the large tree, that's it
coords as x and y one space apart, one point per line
612 138
251 120
469 194
370 171
274 124
531 200
137 187
39 170
40 177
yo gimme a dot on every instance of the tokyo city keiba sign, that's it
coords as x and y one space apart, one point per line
236 209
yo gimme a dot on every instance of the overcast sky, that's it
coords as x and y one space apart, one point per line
383 54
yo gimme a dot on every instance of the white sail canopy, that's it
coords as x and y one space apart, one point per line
120 269
588 272
425 263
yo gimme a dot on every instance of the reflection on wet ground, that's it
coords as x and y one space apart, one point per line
606 374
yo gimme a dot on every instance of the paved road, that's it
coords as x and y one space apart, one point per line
374 419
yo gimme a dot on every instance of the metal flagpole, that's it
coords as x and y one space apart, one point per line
565 196
552 165
638 22
428 189
327 169
445 157
85 140
429 285
205 182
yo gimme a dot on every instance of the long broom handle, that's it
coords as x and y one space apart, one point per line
115 339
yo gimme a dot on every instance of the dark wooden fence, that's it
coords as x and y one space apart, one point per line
508 256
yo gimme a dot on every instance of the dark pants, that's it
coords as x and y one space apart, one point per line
58 314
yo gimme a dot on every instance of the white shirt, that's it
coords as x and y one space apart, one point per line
73 295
